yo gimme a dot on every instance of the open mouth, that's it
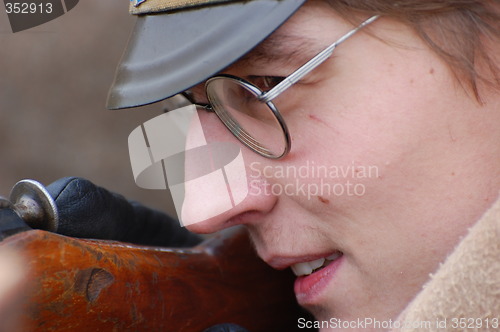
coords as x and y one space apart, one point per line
307 268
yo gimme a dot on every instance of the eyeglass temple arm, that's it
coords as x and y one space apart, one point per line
311 64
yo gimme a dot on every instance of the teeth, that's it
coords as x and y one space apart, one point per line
317 263
301 269
306 268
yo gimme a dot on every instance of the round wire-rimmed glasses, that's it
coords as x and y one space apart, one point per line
249 113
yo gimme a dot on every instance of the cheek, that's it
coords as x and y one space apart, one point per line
375 111
380 122
399 113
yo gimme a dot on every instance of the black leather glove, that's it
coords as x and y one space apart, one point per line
88 211
227 327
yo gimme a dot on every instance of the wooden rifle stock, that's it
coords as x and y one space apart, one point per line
90 285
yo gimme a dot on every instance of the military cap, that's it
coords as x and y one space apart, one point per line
177 44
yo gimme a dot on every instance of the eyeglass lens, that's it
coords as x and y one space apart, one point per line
250 120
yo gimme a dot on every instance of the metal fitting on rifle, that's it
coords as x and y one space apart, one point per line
31 201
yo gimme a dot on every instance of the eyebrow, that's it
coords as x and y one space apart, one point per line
285 48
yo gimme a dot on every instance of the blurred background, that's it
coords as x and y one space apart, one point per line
54 81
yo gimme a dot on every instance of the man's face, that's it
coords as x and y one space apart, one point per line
386 148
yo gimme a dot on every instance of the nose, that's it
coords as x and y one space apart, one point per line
223 184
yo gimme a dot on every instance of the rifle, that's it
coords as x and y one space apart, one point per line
76 284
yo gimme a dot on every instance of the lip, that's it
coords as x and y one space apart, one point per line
309 288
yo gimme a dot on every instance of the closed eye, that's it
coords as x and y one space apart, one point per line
265 83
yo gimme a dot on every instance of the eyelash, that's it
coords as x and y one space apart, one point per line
265 83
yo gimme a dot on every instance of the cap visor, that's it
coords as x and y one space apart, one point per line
170 52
